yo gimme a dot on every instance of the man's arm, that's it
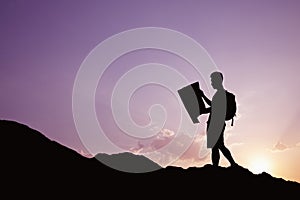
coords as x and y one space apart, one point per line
206 99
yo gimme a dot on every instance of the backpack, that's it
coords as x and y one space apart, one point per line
231 107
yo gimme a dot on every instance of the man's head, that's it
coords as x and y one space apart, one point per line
216 80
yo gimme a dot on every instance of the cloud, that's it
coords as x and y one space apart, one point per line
160 140
167 133
197 150
280 146
194 155
137 149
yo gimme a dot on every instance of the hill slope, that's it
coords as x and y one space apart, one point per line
32 160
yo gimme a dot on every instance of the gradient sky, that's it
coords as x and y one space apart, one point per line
254 43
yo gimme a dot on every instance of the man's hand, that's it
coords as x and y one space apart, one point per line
207 100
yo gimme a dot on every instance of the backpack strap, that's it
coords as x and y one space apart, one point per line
232 120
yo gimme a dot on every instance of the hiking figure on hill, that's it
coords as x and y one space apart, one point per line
223 107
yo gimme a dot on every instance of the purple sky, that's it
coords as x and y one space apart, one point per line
254 43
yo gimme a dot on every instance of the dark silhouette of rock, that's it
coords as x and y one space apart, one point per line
30 161
128 162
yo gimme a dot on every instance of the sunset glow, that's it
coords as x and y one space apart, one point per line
255 44
260 165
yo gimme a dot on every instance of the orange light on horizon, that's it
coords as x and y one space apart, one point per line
259 165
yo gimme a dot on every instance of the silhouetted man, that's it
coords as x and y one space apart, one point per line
216 121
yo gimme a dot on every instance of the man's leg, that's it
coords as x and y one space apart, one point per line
215 155
227 155
220 144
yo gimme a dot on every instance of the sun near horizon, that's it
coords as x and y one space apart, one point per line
260 165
